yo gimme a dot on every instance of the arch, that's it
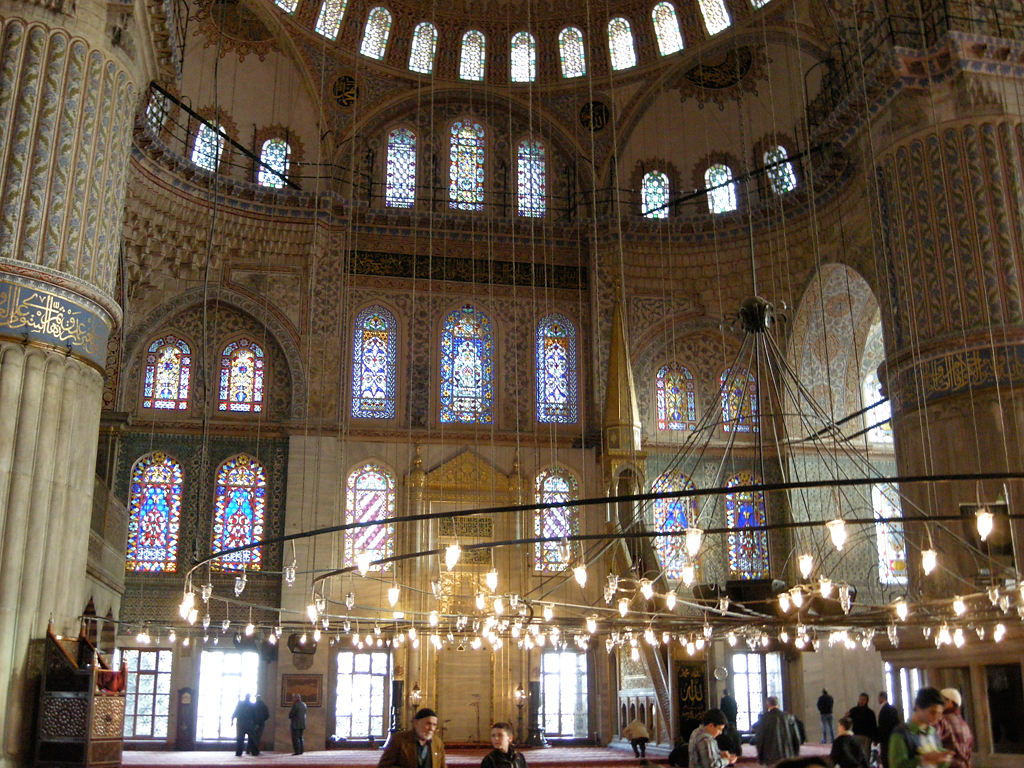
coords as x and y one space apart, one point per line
424 45
673 515
716 15
467 367
676 398
523 58
328 21
531 177
467 170
208 146
889 538
747 539
620 44
555 370
275 157
472 58
400 170
779 169
376 33
654 195
738 390
154 514
240 383
370 495
666 28
168 374
239 512
554 484
572 53
374 363
721 188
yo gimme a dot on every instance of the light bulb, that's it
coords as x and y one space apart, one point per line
205 592
646 589
929 559
999 633
491 580
289 574
730 638
481 601
806 565
549 612
240 584
706 631
452 553
797 596
670 601
433 618
784 602
689 574
691 647
580 574
694 537
499 605
206 621
363 560
225 624
303 639
172 636
723 604
902 609
623 606
993 595
435 640
250 628
783 636
959 606
188 600
311 612
837 532
591 624
958 638
825 585
142 637
185 642
193 614
393 592
985 521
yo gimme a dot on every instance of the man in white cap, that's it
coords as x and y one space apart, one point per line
953 730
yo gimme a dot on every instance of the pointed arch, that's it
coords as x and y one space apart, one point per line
168 374
716 15
620 44
275 157
328 22
747 539
666 28
374 364
467 368
472 57
424 45
555 366
240 506
673 516
738 389
400 184
370 495
676 398
571 53
552 485
375 35
654 195
241 377
721 188
207 146
531 176
779 170
466 170
523 58
154 514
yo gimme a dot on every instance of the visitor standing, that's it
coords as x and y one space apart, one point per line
825 706
260 715
888 718
729 707
954 732
775 734
242 718
418 747
865 726
916 743
297 721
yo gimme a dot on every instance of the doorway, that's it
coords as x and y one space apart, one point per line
224 678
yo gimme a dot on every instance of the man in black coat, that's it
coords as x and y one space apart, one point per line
888 718
776 734
865 727
242 718
260 715
729 708
297 719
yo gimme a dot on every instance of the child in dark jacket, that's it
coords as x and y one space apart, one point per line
846 750
504 754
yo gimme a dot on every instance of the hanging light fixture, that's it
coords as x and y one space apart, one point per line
825 587
433 618
240 584
806 565
549 612
452 553
999 633
580 574
959 606
481 601
623 606
837 532
591 624
797 596
694 538
289 574
393 593
491 580
646 589
363 560
985 521
902 609
499 605
689 573
929 559
670 601
784 602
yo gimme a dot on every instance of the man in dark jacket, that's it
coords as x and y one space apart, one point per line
242 718
776 734
415 748
260 715
865 727
828 728
729 708
888 718
297 719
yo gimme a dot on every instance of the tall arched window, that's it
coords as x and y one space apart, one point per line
523 58
716 16
168 372
274 161
556 370
471 61
288 6
375 36
721 188
673 515
531 174
424 44
400 186
620 44
467 368
892 547
157 109
666 28
676 398
208 146
654 195
880 414
466 166
738 388
154 510
554 485
747 540
241 497
760 3
779 170
374 353
571 53
241 377
370 495
329 21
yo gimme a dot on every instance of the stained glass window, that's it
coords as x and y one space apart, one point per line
744 515
532 178
780 170
424 43
374 351
275 160
208 145
554 485
721 189
154 510
466 170
673 515
524 58
241 377
620 44
288 6
241 496
400 191
716 16
654 195
471 62
329 21
467 368
882 412
571 52
738 388
556 370
370 495
892 547
168 370
666 28
375 36
156 111
676 398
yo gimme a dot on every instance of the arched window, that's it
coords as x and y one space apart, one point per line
666 28
466 168
471 62
400 187
571 52
744 515
716 16
208 146
676 398
374 352
157 109
892 547
780 170
329 21
241 377
532 178
370 495
154 510
467 368
880 414
288 6
424 44
620 44
673 515
524 58
556 370
168 371
554 485
241 497
654 195
375 36
721 189
274 159
738 388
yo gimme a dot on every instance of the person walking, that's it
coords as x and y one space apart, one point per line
242 718
417 747
888 718
916 743
825 706
260 714
703 750
504 754
775 734
297 723
865 726
954 732
846 750
638 736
